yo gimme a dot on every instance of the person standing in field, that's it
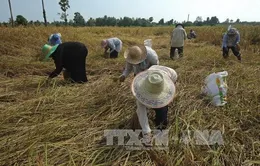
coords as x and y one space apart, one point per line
54 39
231 41
114 45
138 59
155 89
70 56
177 40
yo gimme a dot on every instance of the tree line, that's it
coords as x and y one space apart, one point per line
79 20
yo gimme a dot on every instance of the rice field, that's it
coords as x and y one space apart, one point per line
63 124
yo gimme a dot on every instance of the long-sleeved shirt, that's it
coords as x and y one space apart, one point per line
151 59
72 57
230 41
142 109
178 36
114 44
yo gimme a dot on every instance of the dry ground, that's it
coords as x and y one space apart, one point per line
61 124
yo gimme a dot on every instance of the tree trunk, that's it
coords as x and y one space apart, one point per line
44 14
66 20
10 7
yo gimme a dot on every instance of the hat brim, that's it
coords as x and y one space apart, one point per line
178 25
52 51
153 100
141 58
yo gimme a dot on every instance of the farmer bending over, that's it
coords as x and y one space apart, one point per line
114 45
72 57
231 41
155 89
138 59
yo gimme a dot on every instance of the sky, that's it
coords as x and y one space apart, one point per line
168 9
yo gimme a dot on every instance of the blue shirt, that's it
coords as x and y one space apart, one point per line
230 41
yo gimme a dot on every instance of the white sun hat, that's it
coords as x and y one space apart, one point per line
135 54
153 88
169 71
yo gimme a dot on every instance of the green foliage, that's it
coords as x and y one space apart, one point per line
188 23
169 22
105 21
126 21
37 23
91 22
209 21
151 19
214 20
237 21
161 22
20 20
64 5
79 19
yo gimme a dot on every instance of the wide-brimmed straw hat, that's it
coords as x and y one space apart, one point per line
47 50
103 43
169 71
153 88
135 54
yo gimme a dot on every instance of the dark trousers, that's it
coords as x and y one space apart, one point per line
78 77
234 50
180 51
114 54
161 117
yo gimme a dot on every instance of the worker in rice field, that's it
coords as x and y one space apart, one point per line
192 34
155 89
138 59
54 39
70 57
177 40
231 41
114 45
